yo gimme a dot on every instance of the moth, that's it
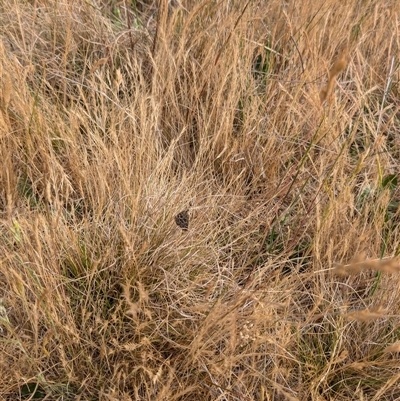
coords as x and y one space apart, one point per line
182 220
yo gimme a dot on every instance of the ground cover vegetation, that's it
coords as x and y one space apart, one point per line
199 200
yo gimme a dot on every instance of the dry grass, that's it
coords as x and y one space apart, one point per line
117 116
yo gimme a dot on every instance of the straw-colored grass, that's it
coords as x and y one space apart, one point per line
281 282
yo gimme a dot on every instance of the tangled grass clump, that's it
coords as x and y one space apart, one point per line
199 200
